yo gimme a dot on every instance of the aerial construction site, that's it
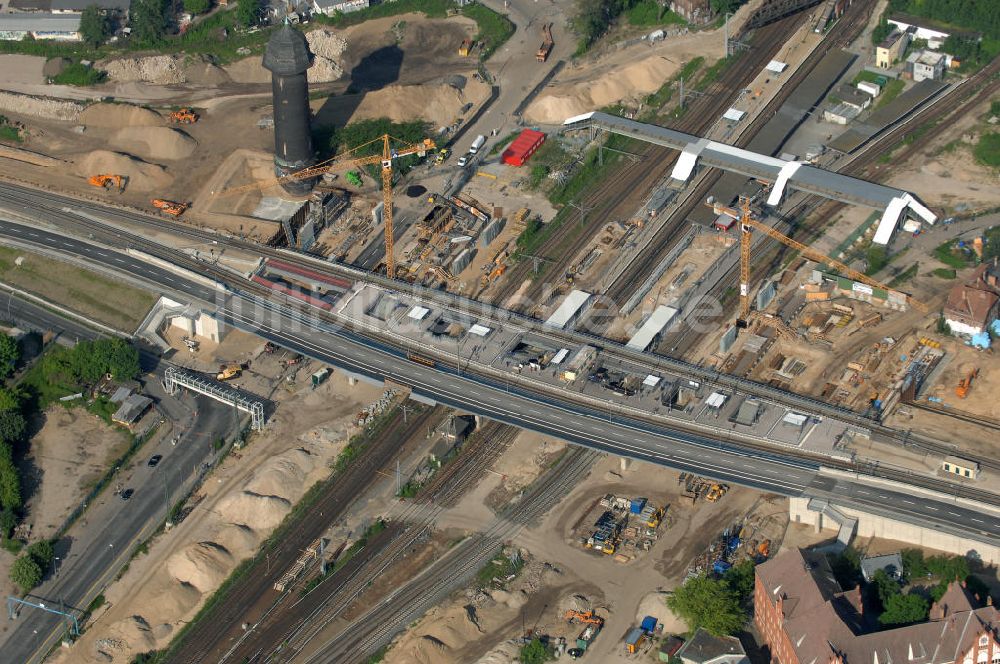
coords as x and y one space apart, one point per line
500 331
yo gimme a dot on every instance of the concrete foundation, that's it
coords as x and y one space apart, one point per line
872 525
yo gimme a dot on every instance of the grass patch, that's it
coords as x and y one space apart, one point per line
499 570
79 75
944 273
105 300
656 100
714 72
8 131
649 13
951 255
987 150
502 143
890 92
429 8
494 29
904 276
869 77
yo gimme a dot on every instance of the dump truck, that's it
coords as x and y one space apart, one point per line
108 181
715 492
543 51
173 208
183 116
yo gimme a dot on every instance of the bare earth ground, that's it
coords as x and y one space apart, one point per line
72 450
94 295
239 504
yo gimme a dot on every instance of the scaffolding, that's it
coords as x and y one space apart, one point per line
217 390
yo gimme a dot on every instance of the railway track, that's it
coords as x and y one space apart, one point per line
378 625
209 637
617 196
846 30
285 633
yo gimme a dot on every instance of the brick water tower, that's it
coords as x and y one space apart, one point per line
287 57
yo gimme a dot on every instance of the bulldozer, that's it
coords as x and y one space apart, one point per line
962 389
183 116
172 208
715 492
108 181
231 370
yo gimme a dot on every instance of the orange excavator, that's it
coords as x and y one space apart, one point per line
586 617
106 181
169 207
962 389
183 116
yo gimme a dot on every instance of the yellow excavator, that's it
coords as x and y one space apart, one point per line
231 370
108 181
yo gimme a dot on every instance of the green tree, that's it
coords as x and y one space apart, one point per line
42 553
740 579
149 20
9 353
881 31
725 6
913 564
708 603
95 26
12 426
8 521
903 609
246 12
25 573
885 586
196 6
10 479
877 258
533 652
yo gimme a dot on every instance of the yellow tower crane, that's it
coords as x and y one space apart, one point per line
748 224
349 159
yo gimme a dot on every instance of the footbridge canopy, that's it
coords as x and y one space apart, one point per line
781 173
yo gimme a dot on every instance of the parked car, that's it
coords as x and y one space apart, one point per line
463 160
154 460
127 493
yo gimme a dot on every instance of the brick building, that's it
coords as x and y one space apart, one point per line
806 618
971 307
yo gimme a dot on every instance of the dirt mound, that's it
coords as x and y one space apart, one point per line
120 115
203 565
282 476
135 632
141 175
326 44
173 600
439 104
249 70
239 540
159 69
205 73
254 510
155 142
42 107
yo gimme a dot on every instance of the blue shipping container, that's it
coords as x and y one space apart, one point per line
721 567
637 505
649 624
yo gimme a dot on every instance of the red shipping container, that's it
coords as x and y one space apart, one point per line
523 147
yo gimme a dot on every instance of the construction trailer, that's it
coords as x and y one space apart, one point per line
522 147
634 640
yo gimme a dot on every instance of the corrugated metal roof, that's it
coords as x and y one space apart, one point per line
40 22
570 306
656 323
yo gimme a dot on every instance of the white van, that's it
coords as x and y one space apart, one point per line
476 144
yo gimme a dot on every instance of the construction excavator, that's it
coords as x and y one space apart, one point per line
962 389
106 181
172 208
585 617
350 159
748 224
231 370
183 116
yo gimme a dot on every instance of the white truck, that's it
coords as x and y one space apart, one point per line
476 144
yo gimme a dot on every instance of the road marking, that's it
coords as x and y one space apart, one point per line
978 520
930 507
863 493
908 502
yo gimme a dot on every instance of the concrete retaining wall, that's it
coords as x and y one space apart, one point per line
872 525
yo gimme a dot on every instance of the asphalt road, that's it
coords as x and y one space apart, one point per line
96 547
580 425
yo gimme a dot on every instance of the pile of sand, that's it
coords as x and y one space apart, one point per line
202 565
40 107
623 76
328 49
120 115
141 175
655 604
154 142
254 510
282 476
440 638
159 69
203 72
440 104
250 70
135 632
